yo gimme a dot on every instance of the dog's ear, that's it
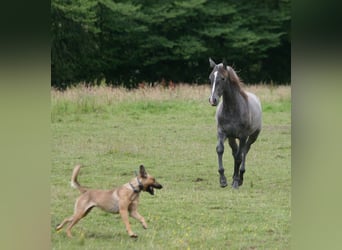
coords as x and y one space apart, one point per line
143 173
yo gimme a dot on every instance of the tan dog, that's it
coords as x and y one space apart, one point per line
123 200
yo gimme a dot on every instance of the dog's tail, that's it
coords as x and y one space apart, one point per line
74 182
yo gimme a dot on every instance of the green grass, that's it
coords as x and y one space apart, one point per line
173 133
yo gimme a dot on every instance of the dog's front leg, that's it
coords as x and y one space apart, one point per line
137 216
124 216
133 210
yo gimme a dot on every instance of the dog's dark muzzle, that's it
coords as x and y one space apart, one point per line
150 188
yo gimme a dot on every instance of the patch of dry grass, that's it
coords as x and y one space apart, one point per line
271 93
110 95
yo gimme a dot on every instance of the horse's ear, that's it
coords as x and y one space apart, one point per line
224 61
143 173
212 63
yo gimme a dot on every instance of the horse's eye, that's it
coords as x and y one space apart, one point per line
222 78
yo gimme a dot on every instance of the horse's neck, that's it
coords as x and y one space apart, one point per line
232 99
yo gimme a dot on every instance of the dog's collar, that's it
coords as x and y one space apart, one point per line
140 187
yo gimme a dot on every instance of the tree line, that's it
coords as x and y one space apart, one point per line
127 42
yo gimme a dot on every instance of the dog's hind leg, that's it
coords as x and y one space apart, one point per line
76 218
61 225
73 222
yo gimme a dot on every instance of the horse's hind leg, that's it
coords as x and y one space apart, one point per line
236 152
219 151
244 151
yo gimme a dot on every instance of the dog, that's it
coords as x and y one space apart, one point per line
123 200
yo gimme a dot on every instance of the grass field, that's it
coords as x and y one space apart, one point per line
173 133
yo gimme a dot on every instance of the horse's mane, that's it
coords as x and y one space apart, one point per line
236 81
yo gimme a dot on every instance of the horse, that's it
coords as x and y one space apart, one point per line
238 118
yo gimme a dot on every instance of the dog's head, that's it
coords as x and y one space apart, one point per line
148 182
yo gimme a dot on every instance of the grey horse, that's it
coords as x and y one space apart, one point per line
238 116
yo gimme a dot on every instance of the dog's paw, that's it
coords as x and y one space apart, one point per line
134 235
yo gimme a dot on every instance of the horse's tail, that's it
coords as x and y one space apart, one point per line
74 182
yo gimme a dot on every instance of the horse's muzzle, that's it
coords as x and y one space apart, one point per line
213 101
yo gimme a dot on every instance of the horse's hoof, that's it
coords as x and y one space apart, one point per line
240 181
223 185
223 182
235 184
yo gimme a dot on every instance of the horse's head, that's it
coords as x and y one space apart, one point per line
218 77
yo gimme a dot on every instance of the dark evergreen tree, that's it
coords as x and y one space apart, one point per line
126 42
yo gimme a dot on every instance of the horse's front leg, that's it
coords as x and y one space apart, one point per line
219 151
